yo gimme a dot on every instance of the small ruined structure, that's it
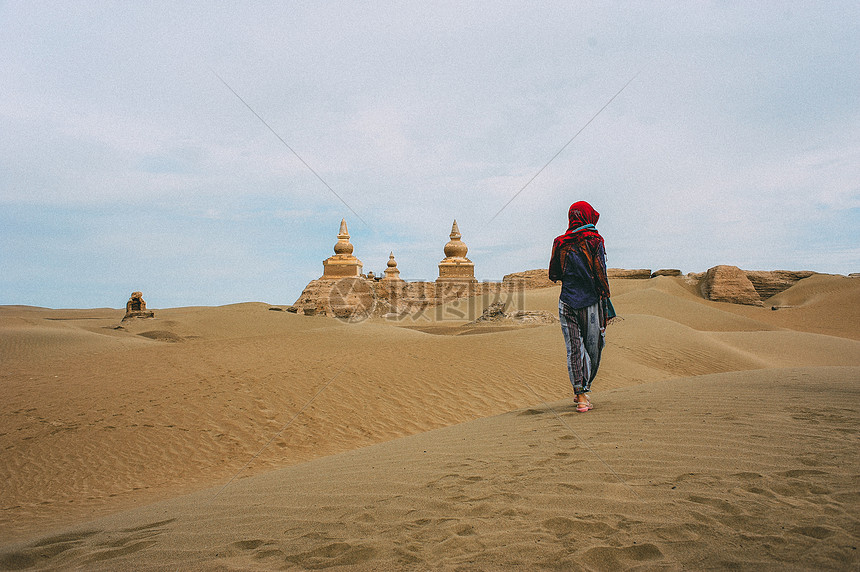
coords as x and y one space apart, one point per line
731 284
342 264
771 282
136 307
530 279
627 274
391 272
495 314
726 283
455 268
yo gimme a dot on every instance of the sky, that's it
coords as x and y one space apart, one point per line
204 153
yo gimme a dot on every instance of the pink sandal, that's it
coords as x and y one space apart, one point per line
583 407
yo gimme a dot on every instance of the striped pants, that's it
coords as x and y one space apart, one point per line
584 331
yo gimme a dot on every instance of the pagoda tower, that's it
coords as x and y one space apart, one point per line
455 268
343 264
392 274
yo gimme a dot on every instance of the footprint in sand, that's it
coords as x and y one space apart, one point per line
336 554
530 412
817 532
255 548
130 540
63 550
562 526
122 550
719 504
43 552
621 558
681 532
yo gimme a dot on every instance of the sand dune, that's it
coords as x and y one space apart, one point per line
722 435
671 474
821 304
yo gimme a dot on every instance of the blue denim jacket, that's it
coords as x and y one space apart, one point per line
577 285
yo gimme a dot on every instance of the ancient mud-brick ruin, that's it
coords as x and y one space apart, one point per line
392 274
344 292
455 269
136 307
343 264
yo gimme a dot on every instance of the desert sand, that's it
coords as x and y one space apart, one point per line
238 437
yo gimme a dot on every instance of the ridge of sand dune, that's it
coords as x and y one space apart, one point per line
696 313
817 288
794 349
24 340
671 475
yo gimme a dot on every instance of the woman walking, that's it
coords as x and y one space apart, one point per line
579 261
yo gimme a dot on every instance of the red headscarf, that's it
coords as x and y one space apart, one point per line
580 214
587 240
